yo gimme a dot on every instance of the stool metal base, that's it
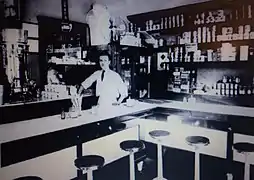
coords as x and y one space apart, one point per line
158 178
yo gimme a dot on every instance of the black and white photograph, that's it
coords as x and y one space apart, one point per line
126 90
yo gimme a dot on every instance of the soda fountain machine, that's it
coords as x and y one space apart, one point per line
14 58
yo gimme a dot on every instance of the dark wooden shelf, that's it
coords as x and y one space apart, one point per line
209 45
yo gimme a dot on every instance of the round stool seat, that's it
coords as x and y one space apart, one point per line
244 147
157 134
132 145
89 161
28 178
198 140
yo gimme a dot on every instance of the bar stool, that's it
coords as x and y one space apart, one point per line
132 146
197 142
159 135
88 164
246 149
28 178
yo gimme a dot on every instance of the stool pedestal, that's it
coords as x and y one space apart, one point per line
132 166
159 135
197 142
246 167
159 163
132 146
246 149
89 174
88 164
197 164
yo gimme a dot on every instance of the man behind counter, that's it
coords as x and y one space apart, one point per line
110 87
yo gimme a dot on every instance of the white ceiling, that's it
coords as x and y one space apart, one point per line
78 8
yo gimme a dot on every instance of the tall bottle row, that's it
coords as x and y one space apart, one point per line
192 53
208 34
67 49
175 21
136 73
233 86
244 12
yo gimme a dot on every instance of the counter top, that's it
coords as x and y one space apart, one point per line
19 130
29 128
209 108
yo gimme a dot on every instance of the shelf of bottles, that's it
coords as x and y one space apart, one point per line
142 72
217 35
126 71
232 86
139 74
183 80
131 36
165 23
14 49
67 51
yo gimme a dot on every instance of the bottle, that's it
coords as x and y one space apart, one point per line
195 35
249 90
173 21
236 15
147 26
197 21
166 23
78 40
62 114
151 25
181 54
162 23
182 20
214 34
199 35
224 86
237 87
178 21
217 91
204 35
228 87
169 23
249 11
203 18
231 86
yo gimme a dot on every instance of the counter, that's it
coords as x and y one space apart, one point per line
23 129
202 107
19 130
61 137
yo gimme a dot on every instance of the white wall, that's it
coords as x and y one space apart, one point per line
78 8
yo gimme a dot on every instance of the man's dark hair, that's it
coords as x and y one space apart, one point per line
105 53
